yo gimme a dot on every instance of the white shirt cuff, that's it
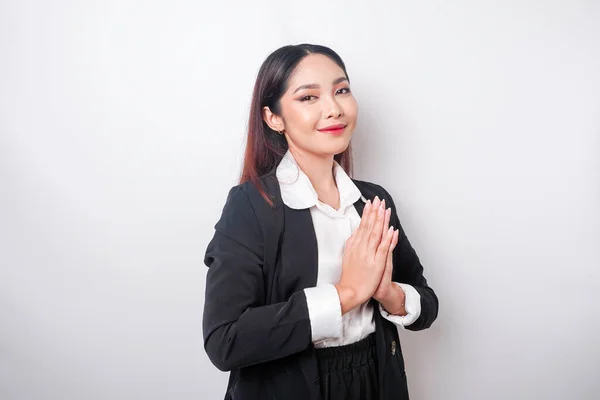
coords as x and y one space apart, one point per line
324 311
412 304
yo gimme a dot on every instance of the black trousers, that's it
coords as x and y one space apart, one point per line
349 372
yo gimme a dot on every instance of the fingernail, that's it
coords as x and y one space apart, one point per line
383 203
391 228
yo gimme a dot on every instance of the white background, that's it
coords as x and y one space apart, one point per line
121 130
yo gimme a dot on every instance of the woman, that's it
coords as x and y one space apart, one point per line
310 272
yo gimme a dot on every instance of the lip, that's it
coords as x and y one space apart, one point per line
337 129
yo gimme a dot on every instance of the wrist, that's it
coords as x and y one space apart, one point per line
394 303
385 294
348 297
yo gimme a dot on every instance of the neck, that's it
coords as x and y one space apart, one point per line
319 170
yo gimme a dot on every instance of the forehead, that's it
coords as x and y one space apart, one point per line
315 68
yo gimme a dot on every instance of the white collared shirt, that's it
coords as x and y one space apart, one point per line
332 228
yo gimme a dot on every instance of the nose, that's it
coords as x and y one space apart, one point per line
332 107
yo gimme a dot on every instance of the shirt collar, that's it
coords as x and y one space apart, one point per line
297 191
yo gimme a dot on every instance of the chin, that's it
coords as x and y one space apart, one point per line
336 148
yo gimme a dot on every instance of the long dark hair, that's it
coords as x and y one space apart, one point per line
264 147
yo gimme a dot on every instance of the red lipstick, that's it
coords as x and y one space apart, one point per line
335 130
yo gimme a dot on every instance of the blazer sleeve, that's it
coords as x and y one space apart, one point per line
239 328
408 269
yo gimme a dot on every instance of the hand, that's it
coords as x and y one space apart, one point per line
364 257
386 287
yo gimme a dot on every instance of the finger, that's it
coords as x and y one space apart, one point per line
363 221
369 219
390 259
384 246
395 240
378 228
388 216
386 224
373 214
390 266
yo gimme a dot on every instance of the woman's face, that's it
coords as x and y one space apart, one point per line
318 111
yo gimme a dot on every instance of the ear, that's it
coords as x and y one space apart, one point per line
275 122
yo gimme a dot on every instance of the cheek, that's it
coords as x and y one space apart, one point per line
351 109
304 118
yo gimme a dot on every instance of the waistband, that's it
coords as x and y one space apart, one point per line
365 346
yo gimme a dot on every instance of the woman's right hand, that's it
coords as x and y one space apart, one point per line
364 256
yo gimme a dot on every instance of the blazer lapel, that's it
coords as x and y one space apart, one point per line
359 205
299 255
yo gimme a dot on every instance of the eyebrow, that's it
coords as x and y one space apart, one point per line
316 86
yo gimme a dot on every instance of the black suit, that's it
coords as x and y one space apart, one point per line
256 322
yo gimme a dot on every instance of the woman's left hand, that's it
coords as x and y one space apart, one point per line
387 289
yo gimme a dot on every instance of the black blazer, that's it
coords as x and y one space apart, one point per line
256 322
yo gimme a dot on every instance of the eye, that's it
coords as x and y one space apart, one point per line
308 97
343 91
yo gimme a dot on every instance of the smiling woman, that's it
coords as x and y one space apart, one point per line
296 85
310 272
